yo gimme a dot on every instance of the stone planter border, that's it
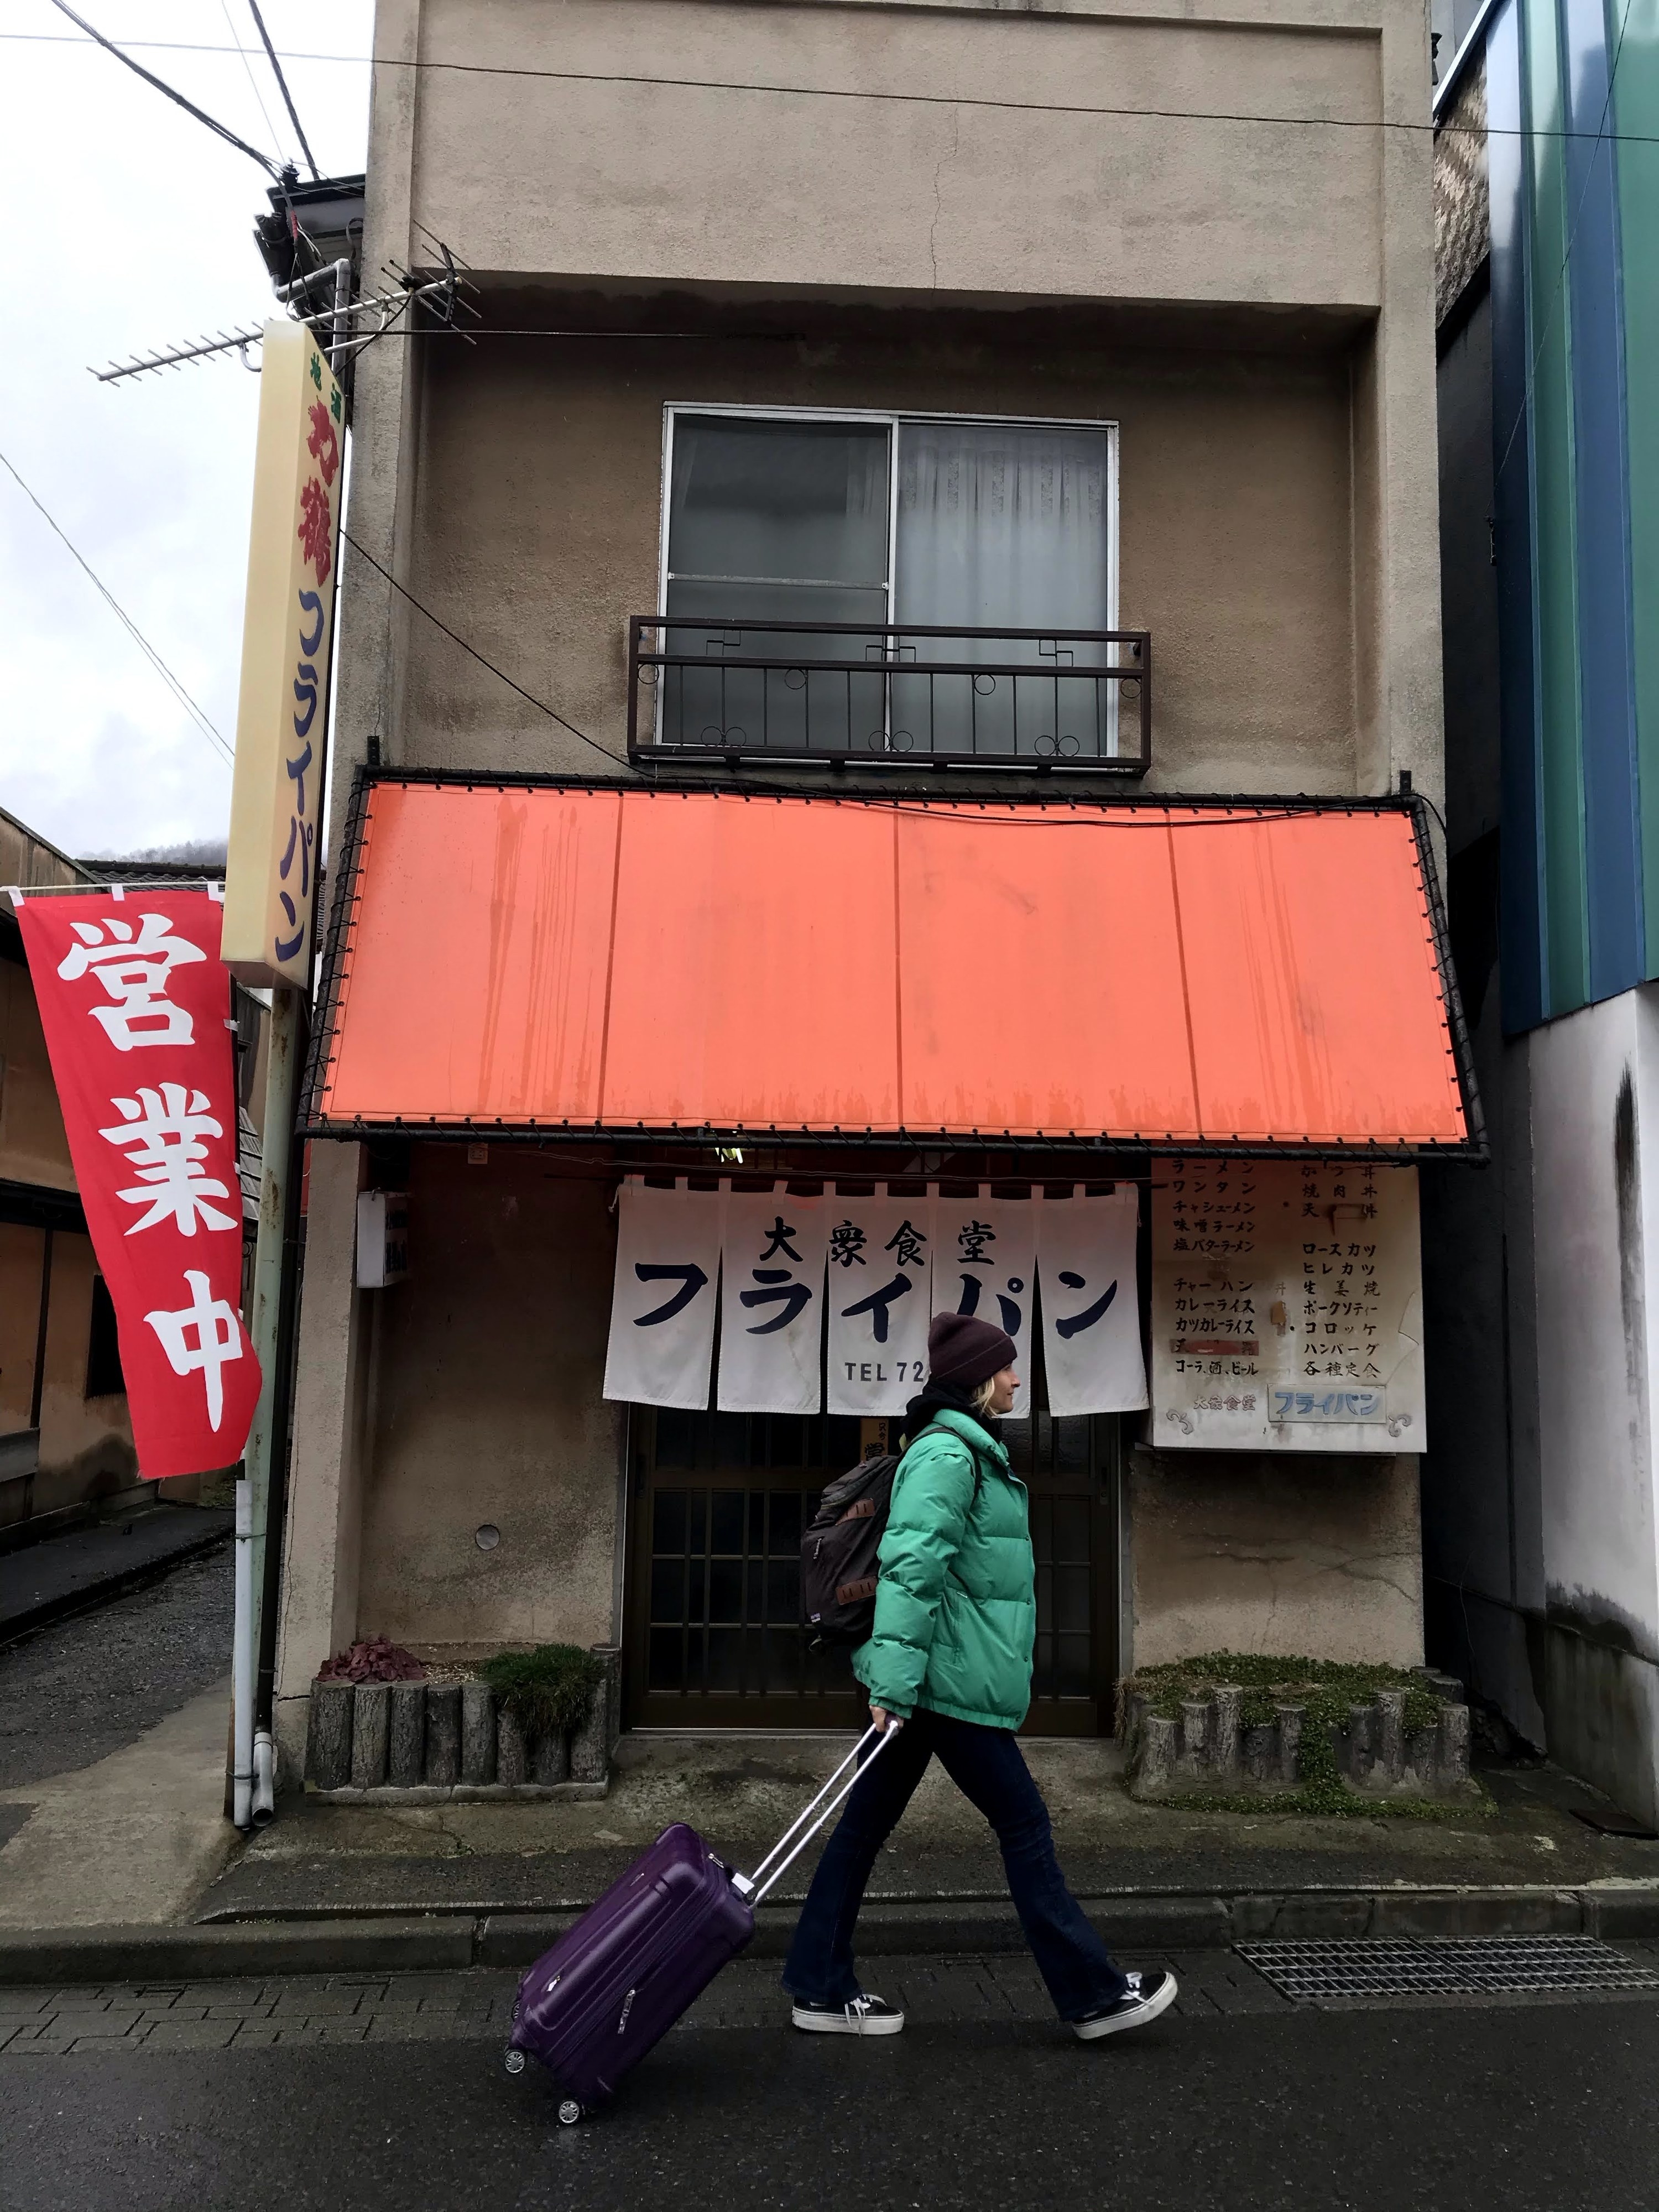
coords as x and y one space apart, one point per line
422 1743
1208 1752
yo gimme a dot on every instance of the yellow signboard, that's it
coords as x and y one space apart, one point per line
288 644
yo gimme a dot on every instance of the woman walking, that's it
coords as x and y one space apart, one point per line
950 1667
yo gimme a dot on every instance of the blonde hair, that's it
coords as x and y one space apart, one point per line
981 1394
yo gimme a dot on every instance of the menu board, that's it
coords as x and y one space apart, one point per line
1286 1306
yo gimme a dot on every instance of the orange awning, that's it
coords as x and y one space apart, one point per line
564 957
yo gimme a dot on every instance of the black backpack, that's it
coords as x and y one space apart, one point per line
838 1561
838 1552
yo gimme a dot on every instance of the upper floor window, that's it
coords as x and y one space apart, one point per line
889 584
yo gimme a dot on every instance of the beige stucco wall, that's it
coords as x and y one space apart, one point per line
541 498
488 1366
1314 1554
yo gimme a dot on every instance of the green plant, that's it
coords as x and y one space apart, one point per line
546 1691
1325 1689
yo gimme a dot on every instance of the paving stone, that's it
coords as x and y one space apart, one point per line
405 2027
254 2033
22 2002
326 2031
215 1995
188 2034
102 2043
315 2003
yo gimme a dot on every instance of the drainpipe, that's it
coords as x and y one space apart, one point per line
264 1778
242 1664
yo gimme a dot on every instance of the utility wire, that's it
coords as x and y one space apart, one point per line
292 112
1172 814
125 621
918 99
190 107
247 71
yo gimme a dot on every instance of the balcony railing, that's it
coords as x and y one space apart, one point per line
892 695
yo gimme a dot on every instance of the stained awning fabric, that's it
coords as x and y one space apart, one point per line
605 959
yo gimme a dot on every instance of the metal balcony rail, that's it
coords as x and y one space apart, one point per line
889 694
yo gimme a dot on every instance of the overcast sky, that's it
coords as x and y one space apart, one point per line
135 233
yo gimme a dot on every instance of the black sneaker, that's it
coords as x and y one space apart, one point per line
1146 1997
865 2015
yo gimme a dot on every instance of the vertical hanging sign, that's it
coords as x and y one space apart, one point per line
772 1304
879 1255
1091 1351
133 1000
287 645
985 1263
662 1307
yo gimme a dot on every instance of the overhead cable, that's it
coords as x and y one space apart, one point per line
126 620
1426 126
292 112
270 167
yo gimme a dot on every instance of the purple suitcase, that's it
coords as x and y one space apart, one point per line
613 1985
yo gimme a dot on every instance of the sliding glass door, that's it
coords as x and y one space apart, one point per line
973 528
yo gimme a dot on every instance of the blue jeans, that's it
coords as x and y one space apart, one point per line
986 1765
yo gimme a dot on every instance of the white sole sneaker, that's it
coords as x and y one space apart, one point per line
848 2020
1134 2015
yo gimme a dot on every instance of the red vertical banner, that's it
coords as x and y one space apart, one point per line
134 1002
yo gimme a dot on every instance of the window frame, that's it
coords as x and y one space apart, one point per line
894 418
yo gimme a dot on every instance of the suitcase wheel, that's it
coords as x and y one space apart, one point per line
514 2062
569 2112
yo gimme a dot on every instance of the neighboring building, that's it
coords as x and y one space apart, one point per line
65 1439
1059 346
1541 1554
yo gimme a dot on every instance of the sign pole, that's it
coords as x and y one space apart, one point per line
275 844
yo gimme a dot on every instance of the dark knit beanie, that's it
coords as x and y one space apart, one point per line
966 1351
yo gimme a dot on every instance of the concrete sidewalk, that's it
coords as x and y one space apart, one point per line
128 1869
44 1581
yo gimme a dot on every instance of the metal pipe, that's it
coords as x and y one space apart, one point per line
281 1071
330 271
241 1791
264 1778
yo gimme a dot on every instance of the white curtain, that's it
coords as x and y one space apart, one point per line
1004 525
879 1273
662 1306
772 1304
1090 1304
985 1264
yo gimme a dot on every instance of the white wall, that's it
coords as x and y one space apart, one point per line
1595 1097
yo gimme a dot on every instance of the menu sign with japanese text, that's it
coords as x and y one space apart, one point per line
287 645
135 1002
1287 1306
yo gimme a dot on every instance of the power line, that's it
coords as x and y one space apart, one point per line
190 107
247 71
1260 811
292 112
125 621
912 99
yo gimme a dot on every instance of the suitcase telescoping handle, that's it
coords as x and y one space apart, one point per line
774 1865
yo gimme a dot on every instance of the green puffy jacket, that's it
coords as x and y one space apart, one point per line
956 1603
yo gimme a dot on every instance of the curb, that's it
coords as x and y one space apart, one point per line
90 1595
938 1927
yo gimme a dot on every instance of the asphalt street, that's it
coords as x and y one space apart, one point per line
77 1690
1242 2104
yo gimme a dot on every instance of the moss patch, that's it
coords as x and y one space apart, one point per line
546 1691
1324 1689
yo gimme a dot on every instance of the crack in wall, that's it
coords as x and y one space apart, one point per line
949 154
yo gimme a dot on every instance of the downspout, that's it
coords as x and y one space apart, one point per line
241 1786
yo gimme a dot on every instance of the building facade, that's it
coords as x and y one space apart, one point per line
1539 1540
65 1440
1061 337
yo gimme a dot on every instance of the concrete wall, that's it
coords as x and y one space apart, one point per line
1315 1555
86 1452
488 1364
